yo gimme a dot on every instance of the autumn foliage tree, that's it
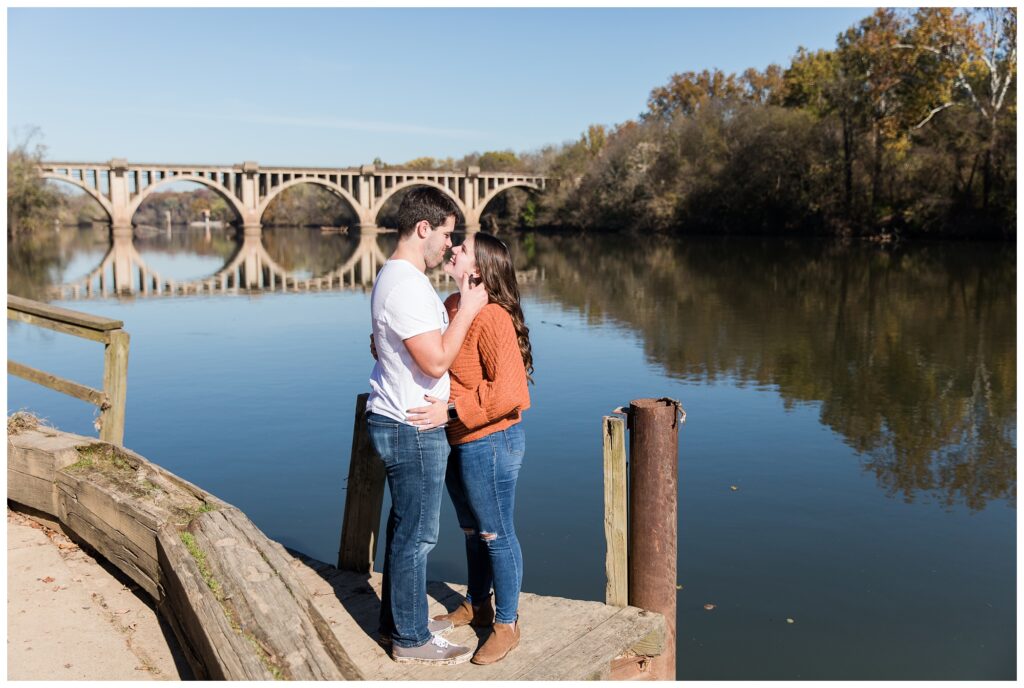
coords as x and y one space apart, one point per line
908 125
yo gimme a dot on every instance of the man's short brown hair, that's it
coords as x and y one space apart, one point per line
424 203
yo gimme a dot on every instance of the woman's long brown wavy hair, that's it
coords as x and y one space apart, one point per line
494 261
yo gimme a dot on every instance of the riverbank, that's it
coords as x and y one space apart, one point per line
73 616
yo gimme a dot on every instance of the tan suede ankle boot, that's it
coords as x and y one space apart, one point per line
465 613
503 639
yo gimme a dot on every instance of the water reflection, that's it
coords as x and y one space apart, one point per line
274 260
910 352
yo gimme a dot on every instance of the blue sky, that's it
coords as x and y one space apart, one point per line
340 87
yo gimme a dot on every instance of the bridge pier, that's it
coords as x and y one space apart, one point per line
123 247
250 229
251 268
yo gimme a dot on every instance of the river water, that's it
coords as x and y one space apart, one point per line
861 400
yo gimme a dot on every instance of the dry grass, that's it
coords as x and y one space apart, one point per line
23 420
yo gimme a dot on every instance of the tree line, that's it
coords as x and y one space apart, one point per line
907 126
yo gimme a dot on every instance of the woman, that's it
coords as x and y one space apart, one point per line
488 395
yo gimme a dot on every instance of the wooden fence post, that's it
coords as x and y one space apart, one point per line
615 563
363 499
115 387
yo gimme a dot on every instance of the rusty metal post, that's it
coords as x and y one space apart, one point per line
653 509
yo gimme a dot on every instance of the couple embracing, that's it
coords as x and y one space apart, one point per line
447 395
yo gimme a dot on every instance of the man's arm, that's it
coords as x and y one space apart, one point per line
434 352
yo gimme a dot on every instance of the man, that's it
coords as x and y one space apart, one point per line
415 346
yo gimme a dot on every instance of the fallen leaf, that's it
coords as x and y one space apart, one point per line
733 488
67 666
679 586
48 579
709 606
790 621
122 611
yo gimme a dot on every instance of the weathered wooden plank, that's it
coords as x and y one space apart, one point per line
363 498
56 326
45 310
30 491
615 524
587 658
213 648
631 667
115 387
262 624
265 603
113 546
116 499
651 644
352 602
37 454
57 383
547 623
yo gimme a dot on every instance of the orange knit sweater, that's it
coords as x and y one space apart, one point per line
488 377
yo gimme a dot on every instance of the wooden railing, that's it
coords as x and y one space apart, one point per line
111 399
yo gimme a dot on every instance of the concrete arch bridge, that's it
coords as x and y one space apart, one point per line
121 187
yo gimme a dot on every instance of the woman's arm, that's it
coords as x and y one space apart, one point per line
504 385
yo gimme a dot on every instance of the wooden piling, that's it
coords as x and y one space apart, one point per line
653 509
364 498
615 526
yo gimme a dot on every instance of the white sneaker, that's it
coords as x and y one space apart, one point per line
436 651
433 625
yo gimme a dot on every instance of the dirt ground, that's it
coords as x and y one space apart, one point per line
73 616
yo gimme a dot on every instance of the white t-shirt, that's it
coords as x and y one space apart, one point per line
403 304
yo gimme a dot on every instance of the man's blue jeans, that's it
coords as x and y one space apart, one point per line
481 480
415 463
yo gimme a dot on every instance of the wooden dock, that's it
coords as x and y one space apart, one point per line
244 607
562 639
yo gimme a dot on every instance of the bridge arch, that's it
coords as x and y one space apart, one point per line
379 205
334 188
502 189
107 206
219 188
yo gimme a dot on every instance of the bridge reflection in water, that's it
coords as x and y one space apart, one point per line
123 271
